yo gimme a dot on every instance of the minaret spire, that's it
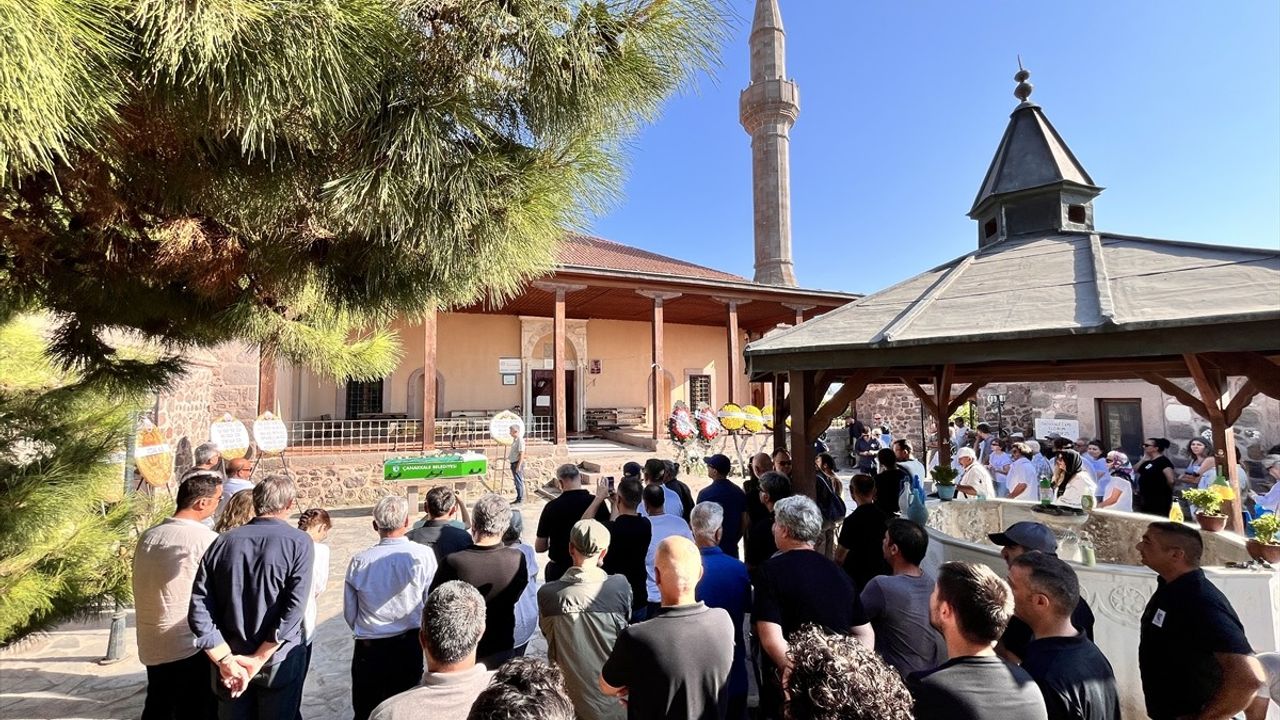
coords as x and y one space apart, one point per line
768 108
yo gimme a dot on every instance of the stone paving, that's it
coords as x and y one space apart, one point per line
57 675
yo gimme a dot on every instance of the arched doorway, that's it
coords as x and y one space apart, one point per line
414 405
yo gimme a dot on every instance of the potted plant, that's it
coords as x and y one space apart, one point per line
1263 545
1208 506
944 479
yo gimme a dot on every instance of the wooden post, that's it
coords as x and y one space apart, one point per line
429 380
735 348
780 411
941 394
1214 393
558 393
803 404
660 397
266 379
799 310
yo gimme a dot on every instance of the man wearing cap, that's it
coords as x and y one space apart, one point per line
1017 539
975 479
730 498
581 615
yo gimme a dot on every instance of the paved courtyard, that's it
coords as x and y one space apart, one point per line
57 675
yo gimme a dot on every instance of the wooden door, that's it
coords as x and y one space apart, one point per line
1120 426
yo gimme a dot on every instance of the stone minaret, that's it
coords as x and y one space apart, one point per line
768 109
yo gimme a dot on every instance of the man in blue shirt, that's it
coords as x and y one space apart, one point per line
247 603
724 585
385 588
730 498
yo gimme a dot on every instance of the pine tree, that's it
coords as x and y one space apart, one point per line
66 527
296 173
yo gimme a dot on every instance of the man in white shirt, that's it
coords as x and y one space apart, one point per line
664 526
385 590
164 567
1024 483
975 480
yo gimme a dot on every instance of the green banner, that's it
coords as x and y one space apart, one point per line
435 467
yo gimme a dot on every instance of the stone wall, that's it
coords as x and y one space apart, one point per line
219 380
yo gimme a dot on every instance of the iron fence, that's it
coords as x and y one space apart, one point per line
401 434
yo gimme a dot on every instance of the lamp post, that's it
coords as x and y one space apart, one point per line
998 399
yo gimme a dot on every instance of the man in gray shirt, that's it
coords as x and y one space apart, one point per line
452 623
898 604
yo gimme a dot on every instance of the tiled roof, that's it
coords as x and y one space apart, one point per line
593 252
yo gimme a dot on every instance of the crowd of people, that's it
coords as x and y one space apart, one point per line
648 612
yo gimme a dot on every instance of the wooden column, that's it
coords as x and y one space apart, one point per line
734 347
803 403
429 380
1216 398
942 403
799 310
558 393
780 411
660 396
267 380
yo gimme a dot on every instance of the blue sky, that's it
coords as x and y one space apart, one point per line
1172 106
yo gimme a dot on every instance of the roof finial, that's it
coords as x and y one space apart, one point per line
1024 88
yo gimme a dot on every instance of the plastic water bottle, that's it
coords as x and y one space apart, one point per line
1046 490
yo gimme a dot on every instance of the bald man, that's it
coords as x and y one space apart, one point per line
675 665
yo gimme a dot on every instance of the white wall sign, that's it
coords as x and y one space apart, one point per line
1063 428
508 366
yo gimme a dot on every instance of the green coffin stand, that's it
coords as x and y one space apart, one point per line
435 467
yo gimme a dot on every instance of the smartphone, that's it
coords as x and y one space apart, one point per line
609 480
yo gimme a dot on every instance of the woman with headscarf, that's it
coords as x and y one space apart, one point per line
1074 480
1119 492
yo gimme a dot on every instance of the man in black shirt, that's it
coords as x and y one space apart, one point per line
439 532
761 463
864 452
672 480
970 607
796 587
677 664
860 548
1017 539
629 535
558 517
1193 655
1074 676
760 545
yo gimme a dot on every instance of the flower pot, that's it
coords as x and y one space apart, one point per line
1258 551
1211 523
946 492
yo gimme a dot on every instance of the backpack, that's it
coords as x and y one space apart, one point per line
829 503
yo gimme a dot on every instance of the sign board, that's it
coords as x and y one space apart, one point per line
508 366
231 437
435 467
501 424
270 434
508 379
1062 428
596 367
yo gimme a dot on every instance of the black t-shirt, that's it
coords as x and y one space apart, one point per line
976 688
442 536
760 545
866 463
862 534
686 497
1075 678
557 520
888 485
675 665
500 574
756 511
1153 486
803 586
629 537
1186 621
1017 636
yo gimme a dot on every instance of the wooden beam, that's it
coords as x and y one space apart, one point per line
930 406
1212 384
1240 401
558 393
1263 370
429 330
803 405
833 408
965 396
1173 389
781 411
267 380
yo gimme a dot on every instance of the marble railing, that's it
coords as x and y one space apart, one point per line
1117 587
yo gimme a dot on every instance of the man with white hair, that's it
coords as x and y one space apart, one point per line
385 588
798 586
726 585
975 479
247 605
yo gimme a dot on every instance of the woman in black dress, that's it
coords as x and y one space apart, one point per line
1155 477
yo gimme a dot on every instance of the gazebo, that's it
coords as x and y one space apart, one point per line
1044 297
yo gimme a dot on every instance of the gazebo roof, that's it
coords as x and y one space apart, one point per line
1026 297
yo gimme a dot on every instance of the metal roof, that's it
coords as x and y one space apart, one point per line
1031 155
